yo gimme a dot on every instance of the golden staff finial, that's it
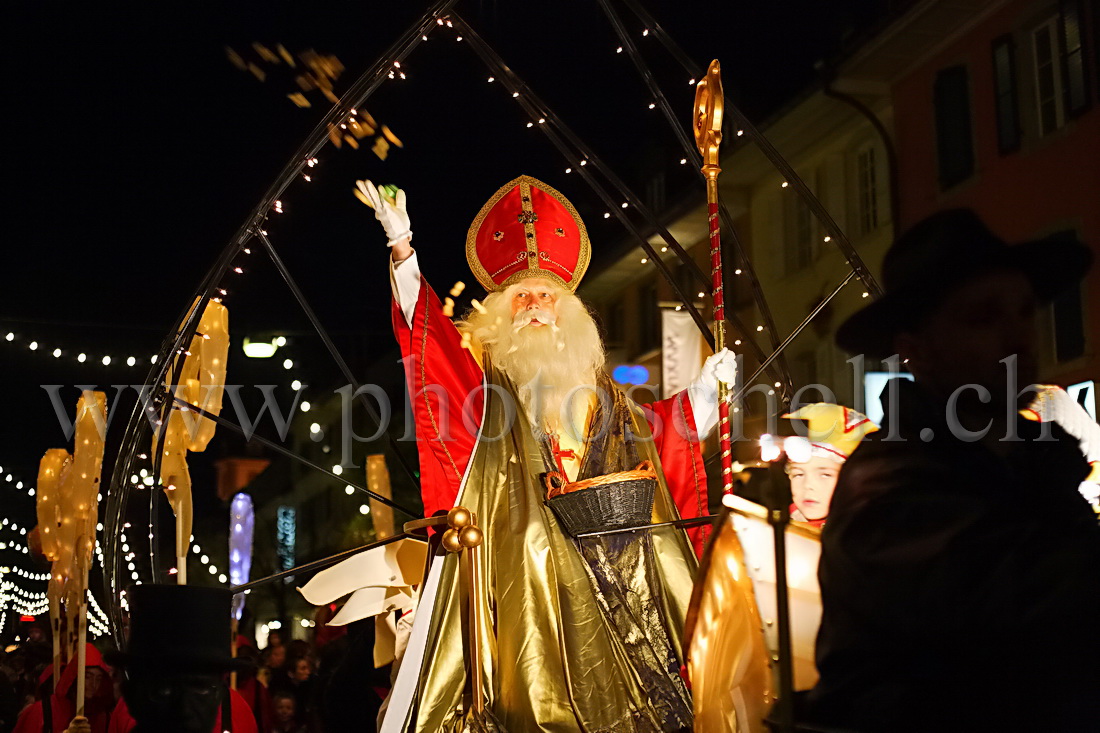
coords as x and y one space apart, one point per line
709 102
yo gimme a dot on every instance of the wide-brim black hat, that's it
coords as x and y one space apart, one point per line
179 628
942 252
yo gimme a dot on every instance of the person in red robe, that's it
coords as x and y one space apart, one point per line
99 698
445 376
504 399
240 713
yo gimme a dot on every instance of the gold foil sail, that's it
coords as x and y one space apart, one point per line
285 55
265 52
381 148
235 59
299 99
388 133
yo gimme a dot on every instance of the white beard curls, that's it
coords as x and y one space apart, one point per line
551 360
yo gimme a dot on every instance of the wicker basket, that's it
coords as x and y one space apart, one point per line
614 501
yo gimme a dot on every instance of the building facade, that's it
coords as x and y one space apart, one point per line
989 105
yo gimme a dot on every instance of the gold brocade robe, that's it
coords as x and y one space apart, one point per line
552 659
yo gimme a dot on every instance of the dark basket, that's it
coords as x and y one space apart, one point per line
610 506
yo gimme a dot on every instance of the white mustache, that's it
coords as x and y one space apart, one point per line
524 318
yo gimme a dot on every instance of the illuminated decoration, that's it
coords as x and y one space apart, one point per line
378 481
732 629
259 349
202 383
21 590
17 340
242 520
630 374
67 506
285 536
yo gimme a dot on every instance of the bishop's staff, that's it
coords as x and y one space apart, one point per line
708 136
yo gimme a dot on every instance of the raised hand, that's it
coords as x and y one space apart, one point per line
389 207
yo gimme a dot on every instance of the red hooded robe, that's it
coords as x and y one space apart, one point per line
62 701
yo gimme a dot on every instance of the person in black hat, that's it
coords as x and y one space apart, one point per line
176 661
960 568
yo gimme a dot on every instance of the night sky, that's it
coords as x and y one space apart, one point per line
135 150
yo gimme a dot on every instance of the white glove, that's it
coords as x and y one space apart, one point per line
1053 403
703 392
390 211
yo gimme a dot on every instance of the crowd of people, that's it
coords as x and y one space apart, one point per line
287 686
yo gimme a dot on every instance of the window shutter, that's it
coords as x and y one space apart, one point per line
954 145
1006 95
1075 83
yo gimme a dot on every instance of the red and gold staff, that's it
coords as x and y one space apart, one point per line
709 102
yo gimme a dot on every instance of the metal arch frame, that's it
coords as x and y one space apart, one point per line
163 401
161 404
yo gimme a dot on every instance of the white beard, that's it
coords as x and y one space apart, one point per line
546 363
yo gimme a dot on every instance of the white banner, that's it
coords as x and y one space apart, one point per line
681 351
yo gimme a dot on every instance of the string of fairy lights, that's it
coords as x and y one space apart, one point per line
580 159
80 356
52 349
348 120
21 590
30 343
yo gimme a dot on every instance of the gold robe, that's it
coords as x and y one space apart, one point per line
553 660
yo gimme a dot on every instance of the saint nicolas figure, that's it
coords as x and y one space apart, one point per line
580 634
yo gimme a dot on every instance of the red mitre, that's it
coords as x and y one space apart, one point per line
526 230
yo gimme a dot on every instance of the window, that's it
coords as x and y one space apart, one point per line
1069 325
1048 77
1075 73
954 147
1005 91
800 240
867 179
